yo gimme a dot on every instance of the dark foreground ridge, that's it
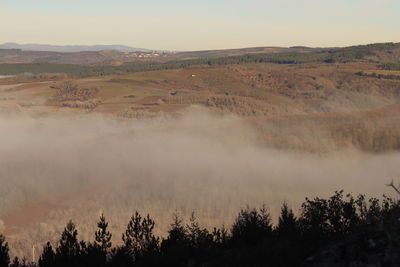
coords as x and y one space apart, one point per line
339 231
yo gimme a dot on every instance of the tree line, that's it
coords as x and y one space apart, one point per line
327 55
341 230
333 55
378 75
390 66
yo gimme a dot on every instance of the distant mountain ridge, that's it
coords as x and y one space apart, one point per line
71 48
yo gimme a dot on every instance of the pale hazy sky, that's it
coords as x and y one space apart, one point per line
200 24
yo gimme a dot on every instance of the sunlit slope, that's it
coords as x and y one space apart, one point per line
344 109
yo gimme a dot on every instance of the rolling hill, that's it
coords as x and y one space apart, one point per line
71 48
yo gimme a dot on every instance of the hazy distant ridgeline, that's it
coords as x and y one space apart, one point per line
71 48
134 63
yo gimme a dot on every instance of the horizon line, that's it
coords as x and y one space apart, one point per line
180 50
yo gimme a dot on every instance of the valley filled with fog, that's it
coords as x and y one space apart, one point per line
57 168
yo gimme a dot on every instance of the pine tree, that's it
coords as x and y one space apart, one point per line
177 232
288 233
69 247
252 226
176 247
47 259
4 256
287 224
193 230
138 237
177 241
199 238
103 236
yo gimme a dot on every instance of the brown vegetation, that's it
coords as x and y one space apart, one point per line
69 91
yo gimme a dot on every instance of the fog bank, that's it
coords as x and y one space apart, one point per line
54 169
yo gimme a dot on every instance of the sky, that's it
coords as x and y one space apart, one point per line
200 24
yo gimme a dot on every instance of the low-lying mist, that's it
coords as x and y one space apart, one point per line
58 168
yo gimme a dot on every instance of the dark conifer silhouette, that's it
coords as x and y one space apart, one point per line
48 257
252 225
69 248
103 236
177 234
287 224
4 250
198 238
139 238
338 231
175 246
